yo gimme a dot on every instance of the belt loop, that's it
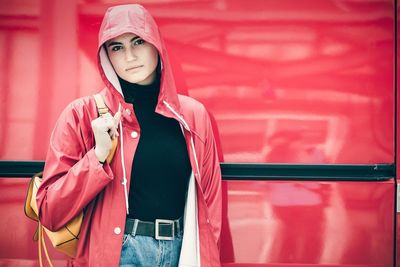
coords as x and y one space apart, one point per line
135 225
178 226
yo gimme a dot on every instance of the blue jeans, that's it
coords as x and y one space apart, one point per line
145 251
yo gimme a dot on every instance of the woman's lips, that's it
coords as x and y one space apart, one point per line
133 68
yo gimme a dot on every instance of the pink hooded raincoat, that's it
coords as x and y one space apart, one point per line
74 180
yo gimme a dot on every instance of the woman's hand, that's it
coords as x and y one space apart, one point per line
105 129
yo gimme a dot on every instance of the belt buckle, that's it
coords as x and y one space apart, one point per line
164 222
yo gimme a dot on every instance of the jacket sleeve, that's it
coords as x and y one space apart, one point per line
72 176
212 177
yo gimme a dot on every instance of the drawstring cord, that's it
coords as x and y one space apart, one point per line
176 114
124 180
191 136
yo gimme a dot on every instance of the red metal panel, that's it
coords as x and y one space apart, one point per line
305 81
310 223
299 82
264 222
16 246
398 142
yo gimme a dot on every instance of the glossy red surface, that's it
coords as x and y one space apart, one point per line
18 230
304 81
310 82
265 223
308 223
398 141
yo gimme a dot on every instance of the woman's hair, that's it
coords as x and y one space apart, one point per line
158 68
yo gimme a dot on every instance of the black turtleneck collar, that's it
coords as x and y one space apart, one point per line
136 93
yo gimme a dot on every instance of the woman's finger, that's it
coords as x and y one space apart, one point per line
117 118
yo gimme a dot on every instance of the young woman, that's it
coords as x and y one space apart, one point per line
158 202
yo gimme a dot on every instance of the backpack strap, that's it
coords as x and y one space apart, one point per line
101 106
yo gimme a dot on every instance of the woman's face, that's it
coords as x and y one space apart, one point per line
133 59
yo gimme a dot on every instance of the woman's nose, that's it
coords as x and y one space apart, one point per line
130 55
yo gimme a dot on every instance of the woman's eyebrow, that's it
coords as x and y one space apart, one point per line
134 38
119 43
114 43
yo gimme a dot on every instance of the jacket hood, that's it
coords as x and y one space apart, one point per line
135 19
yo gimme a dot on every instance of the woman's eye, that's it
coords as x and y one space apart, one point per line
116 48
138 42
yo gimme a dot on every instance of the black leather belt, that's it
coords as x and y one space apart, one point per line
160 229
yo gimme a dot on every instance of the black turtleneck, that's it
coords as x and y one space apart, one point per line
161 166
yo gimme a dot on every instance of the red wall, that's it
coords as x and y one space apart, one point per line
398 142
310 82
305 81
